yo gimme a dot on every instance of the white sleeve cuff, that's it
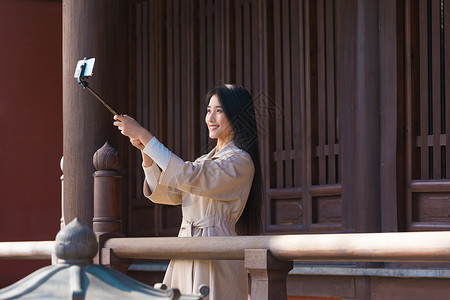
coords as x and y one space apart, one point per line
152 174
158 152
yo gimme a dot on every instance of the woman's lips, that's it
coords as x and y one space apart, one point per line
213 127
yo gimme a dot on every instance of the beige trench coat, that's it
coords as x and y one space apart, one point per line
213 192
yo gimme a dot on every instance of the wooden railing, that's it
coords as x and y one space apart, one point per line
26 250
368 247
268 259
394 247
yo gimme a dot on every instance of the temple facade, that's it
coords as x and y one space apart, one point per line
352 111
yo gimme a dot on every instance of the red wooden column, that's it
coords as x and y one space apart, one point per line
91 29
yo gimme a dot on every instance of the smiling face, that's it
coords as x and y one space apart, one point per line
218 124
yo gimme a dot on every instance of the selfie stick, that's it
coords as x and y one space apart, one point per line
85 85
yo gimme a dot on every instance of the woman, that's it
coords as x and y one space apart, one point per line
220 192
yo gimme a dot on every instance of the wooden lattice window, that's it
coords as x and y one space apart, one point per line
304 193
284 53
427 46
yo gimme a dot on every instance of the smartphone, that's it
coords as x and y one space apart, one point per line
85 68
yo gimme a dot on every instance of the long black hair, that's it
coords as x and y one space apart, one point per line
237 104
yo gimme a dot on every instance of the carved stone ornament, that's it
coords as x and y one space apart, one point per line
75 277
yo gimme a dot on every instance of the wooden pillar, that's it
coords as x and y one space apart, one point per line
107 221
389 116
91 29
267 273
367 123
358 93
107 208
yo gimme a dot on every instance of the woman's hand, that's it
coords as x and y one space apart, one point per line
137 143
132 129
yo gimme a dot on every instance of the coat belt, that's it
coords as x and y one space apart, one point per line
202 223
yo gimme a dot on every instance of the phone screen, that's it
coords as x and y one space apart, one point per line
88 70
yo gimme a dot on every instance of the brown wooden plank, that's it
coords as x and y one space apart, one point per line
191 106
247 44
285 193
436 84
408 104
130 156
313 114
287 89
163 137
389 66
296 18
176 78
143 114
345 91
170 137
202 46
152 99
160 71
258 67
255 67
239 44
446 54
306 159
217 40
423 78
278 93
366 131
226 36
164 73
329 62
264 99
321 91
138 58
211 81
135 29
324 190
433 185
183 78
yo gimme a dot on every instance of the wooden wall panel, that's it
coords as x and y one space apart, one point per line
180 51
288 54
283 52
428 114
305 141
446 83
